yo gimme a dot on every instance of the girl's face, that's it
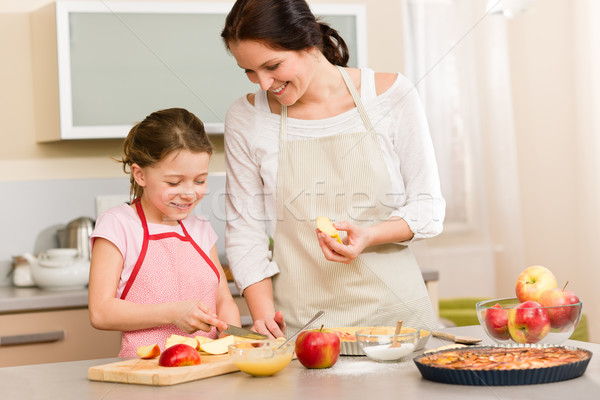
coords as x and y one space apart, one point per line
173 186
286 74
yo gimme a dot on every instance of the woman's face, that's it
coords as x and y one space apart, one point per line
286 74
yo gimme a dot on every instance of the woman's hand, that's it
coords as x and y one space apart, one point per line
193 315
356 240
272 327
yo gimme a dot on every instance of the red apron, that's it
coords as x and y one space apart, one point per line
170 268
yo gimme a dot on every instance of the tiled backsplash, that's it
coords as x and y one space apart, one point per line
32 212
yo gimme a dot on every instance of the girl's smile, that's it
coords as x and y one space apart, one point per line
173 186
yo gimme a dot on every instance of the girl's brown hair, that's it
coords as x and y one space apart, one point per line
285 25
160 134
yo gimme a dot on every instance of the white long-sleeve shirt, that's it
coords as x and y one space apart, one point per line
252 151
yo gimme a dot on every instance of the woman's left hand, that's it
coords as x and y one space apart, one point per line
356 240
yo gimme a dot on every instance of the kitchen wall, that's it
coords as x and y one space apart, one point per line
554 60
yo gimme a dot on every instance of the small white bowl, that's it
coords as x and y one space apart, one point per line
61 253
71 277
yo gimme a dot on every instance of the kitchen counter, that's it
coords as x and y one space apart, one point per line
350 378
15 299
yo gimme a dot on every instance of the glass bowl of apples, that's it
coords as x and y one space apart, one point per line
510 321
261 357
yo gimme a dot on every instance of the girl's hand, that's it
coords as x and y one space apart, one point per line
272 327
356 240
193 315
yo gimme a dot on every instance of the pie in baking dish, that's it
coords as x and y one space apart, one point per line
521 358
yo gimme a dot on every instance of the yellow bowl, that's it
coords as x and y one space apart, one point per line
261 357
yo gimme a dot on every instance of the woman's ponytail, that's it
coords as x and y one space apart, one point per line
334 48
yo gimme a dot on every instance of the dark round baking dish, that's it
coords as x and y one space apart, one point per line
503 377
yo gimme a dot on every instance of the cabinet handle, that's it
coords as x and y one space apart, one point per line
29 338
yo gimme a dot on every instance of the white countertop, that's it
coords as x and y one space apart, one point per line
350 378
15 299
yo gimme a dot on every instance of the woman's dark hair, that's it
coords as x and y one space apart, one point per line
285 25
160 134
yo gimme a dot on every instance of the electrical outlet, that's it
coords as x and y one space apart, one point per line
106 202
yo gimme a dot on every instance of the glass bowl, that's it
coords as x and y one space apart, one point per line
507 324
261 357
377 343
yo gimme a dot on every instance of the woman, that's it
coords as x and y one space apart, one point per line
321 139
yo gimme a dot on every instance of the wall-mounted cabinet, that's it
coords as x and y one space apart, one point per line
99 67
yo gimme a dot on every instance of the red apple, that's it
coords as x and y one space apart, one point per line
560 316
534 281
496 321
528 322
318 348
179 355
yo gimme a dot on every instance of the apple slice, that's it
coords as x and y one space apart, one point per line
176 339
324 225
148 352
202 339
219 346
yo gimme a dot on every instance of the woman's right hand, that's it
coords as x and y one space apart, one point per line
272 327
192 315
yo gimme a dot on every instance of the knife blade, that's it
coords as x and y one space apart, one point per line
245 333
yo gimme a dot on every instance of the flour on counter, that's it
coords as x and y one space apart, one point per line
352 366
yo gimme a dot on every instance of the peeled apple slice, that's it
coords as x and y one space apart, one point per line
219 346
176 339
324 225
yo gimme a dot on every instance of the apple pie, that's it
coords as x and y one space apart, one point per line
503 365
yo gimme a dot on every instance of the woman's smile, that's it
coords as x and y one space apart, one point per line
280 89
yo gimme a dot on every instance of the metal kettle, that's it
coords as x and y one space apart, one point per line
77 235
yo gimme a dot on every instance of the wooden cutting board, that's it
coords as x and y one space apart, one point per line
148 372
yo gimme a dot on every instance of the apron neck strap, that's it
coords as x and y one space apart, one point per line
359 105
357 101
140 211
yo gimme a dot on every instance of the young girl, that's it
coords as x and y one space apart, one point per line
155 269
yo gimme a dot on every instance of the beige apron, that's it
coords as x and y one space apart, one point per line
343 177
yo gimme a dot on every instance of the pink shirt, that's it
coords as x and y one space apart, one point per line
122 226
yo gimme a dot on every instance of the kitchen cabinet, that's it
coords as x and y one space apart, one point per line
53 336
99 67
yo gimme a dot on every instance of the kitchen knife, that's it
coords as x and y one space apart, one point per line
245 333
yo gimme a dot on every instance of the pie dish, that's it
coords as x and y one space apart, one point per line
350 347
504 365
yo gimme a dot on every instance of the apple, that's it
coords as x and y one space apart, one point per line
318 348
179 355
496 321
528 322
560 317
148 352
219 346
534 281
177 339
324 225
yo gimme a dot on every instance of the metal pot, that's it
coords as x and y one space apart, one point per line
77 235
